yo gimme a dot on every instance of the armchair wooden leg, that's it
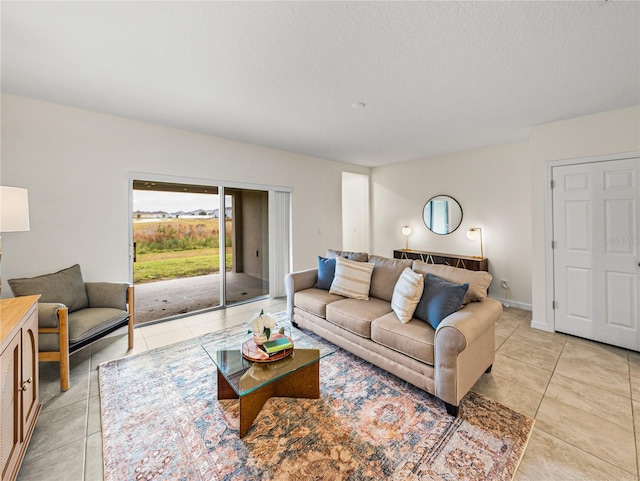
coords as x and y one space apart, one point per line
64 373
63 319
130 333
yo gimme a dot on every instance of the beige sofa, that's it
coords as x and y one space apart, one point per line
445 362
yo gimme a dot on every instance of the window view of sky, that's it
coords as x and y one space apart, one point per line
150 201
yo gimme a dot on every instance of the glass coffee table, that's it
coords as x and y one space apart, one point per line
253 383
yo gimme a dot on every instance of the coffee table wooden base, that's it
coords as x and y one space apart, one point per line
303 383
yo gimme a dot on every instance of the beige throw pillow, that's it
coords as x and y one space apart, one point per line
478 281
352 279
386 275
407 294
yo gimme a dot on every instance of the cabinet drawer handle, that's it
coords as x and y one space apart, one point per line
25 385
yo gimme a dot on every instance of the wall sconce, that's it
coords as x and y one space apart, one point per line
475 233
406 231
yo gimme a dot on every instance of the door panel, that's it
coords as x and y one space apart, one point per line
10 413
619 223
178 247
621 308
596 218
577 226
580 281
30 395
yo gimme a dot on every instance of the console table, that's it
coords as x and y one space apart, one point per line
465 262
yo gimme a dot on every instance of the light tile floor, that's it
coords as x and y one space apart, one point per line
584 396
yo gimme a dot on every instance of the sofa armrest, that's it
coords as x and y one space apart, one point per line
298 281
465 348
107 294
48 314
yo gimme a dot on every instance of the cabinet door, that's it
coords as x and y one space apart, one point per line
30 394
10 425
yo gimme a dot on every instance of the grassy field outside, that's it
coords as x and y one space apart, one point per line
178 248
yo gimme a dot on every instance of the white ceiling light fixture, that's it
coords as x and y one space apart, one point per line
358 105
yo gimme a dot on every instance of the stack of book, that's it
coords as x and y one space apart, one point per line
277 345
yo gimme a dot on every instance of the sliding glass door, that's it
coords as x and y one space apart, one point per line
197 247
247 274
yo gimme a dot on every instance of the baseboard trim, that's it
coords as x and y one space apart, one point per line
541 325
510 303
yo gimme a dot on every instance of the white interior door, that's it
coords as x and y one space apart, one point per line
355 212
596 259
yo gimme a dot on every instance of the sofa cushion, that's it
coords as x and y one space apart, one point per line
385 275
326 273
83 324
439 299
355 315
415 338
352 279
406 294
87 322
108 294
352 256
478 281
65 287
315 301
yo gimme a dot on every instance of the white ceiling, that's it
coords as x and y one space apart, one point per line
436 77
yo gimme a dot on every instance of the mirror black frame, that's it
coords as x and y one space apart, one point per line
442 197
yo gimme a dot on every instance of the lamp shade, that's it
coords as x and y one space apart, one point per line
473 234
14 209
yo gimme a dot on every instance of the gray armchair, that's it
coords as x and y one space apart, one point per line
72 313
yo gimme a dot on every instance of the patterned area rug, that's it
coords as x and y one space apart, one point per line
161 421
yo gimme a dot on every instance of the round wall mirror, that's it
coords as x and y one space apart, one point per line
442 214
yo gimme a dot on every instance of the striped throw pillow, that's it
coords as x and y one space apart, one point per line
407 294
352 279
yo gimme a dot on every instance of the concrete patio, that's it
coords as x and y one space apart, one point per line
165 299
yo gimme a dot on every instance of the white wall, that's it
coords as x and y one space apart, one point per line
75 163
493 186
356 226
617 131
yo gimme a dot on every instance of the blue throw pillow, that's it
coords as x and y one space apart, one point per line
439 299
326 273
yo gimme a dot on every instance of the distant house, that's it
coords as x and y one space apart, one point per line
227 213
151 215
202 213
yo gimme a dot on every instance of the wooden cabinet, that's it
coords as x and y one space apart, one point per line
20 397
465 262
